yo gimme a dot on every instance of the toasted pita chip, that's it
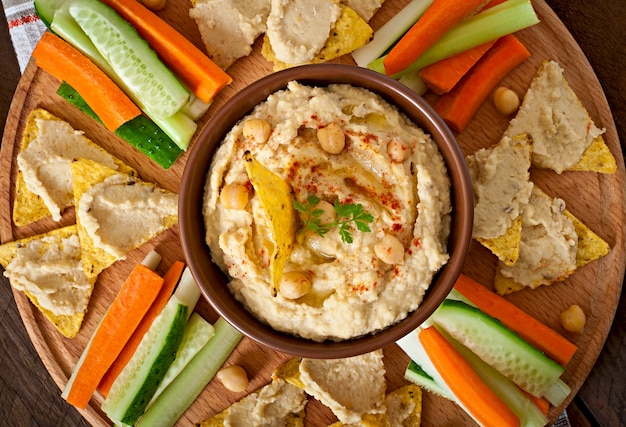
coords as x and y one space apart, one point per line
590 248
283 395
28 207
87 175
350 33
68 325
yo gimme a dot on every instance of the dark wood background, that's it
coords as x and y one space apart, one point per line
29 397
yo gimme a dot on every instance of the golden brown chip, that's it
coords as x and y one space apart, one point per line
350 33
68 325
590 248
289 371
88 173
29 207
506 247
596 158
275 196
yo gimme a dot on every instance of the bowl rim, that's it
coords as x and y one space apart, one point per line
191 197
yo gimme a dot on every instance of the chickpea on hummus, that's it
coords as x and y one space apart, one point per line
338 145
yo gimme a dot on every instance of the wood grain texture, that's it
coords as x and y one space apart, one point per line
598 200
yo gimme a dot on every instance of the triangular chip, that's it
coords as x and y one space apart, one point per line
275 196
117 213
50 264
506 247
350 33
277 403
60 143
564 135
501 183
589 247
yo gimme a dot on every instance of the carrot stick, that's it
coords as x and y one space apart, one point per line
477 398
530 329
540 402
441 76
458 106
126 311
201 75
436 21
170 279
64 62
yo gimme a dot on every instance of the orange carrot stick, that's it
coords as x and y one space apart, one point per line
64 62
436 21
201 75
540 402
126 311
170 279
441 76
458 106
530 329
477 398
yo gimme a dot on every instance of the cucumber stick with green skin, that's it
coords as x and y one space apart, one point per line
131 57
136 384
498 346
141 132
179 126
192 380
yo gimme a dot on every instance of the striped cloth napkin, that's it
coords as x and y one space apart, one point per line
25 28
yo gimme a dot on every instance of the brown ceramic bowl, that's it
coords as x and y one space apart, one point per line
213 282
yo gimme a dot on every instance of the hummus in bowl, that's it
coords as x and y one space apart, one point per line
381 219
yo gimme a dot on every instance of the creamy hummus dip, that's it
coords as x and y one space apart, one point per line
121 213
554 117
45 163
548 245
298 29
51 270
388 165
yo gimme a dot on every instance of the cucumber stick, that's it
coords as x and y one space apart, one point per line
141 132
179 126
133 389
45 10
521 405
189 383
131 57
498 346
197 333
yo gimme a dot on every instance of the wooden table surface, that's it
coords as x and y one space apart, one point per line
29 397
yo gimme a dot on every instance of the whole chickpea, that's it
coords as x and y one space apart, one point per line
573 318
234 378
329 215
506 101
398 151
154 4
389 250
234 196
294 285
331 138
257 130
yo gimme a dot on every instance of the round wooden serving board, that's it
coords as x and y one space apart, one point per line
598 200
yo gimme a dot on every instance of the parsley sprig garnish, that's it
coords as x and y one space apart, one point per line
347 214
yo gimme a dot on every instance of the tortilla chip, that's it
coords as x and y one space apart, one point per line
294 419
88 173
29 207
68 325
596 158
350 33
590 248
506 247
275 196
